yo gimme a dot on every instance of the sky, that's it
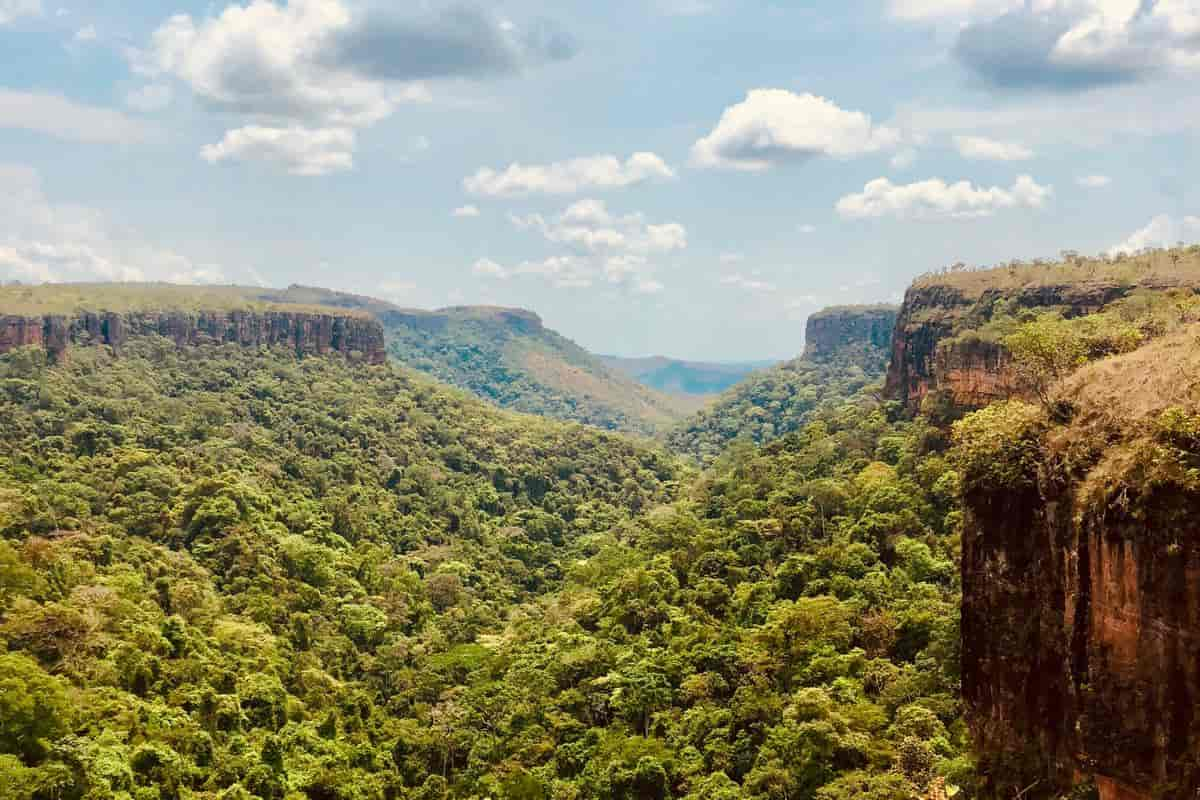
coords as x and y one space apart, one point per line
682 177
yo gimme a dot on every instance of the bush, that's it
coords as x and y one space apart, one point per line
998 447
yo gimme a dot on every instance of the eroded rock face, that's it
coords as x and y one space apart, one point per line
306 333
972 372
831 330
1081 643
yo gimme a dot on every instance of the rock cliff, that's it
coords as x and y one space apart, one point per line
305 332
832 329
1081 592
930 352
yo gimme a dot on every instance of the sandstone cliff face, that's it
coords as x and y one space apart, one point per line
306 333
829 331
971 372
1081 645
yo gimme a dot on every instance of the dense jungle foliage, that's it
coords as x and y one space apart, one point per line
234 574
508 358
779 400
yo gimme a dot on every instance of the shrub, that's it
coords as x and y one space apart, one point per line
997 447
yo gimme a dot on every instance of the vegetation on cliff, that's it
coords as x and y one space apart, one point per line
228 574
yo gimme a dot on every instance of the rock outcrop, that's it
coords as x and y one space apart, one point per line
1081 596
833 329
307 333
928 355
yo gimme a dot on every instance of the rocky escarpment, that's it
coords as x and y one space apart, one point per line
930 354
1081 593
302 331
831 330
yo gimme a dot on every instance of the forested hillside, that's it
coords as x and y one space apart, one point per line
229 572
847 351
509 358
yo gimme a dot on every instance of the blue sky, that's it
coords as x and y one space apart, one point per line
688 177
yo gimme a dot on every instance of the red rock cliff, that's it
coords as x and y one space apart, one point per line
1081 600
928 357
304 332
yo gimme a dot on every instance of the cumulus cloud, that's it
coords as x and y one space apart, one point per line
588 227
299 67
981 148
465 212
1067 44
937 199
12 9
45 241
57 116
1094 181
299 150
601 247
568 177
772 126
1162 231
88 33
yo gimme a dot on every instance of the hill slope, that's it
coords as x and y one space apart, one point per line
673 376
509 358
846 350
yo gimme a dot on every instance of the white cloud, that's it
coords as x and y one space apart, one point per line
936 199
981 148
588 227
149 98
748 283
265 59
465 212
808 229
299 150
568 177
1067 44
12 9
86 34
269 62
45 241
602 246
61 118
1094 181
1162 231
775 125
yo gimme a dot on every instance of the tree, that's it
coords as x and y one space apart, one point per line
34 708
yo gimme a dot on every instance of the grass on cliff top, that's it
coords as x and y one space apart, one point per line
856 310
69 298
1178 266
1139 385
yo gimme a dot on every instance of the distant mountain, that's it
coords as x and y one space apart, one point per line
673 376
508 357
846 350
